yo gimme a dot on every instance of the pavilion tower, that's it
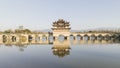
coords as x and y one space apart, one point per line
61 27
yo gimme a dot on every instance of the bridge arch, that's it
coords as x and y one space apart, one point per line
4 38
93 37
86 37
61 37
100 37
37 38
23 38
44 38
13 38
30 38
72 37
79 37
107 37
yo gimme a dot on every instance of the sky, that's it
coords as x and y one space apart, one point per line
40 14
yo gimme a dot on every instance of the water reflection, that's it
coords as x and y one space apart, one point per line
60 47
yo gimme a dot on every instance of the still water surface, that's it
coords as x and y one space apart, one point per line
43 56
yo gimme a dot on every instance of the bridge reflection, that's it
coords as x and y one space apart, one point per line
60 47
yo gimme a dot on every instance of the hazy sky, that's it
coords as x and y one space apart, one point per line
39 14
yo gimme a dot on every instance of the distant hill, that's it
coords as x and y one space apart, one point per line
49 30
45 30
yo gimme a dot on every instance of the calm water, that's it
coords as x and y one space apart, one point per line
80 55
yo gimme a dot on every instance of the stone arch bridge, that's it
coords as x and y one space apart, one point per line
25 38
92 35
44 37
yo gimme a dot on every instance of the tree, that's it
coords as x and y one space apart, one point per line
23 31
8 31
27 31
